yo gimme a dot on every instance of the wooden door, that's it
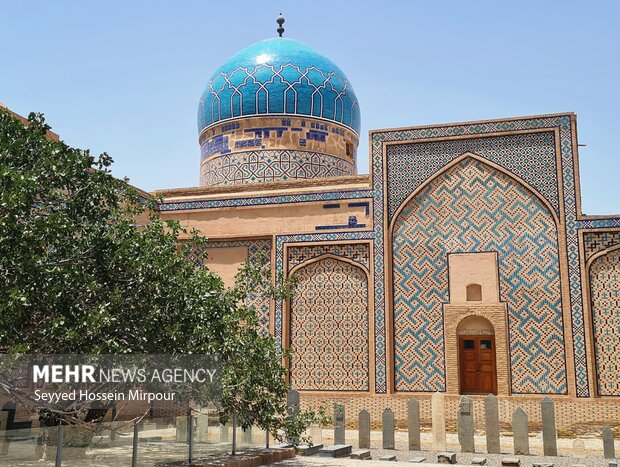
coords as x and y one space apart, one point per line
477 364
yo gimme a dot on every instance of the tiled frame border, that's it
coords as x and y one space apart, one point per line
598 223
609 225
366 266
563 124
265 200
281 242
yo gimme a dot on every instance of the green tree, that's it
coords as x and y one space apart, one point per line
78 274
88 266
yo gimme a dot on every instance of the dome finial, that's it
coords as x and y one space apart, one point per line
280 21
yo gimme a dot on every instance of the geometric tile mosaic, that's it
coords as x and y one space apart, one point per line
605 296
599 241
473 208
329 327
598 223
309 239
530 156
279 75
242 200
569 219
357 252
260 303
563 124
270 165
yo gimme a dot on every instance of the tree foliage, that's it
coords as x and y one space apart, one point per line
78 274
88 266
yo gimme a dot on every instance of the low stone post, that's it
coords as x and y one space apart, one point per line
550 443
579 448
247 436
60 442
413 424
609 450
520 432
491 418
181 433
292 403
387 422
4 441
465 420
202 421
364 430
223 433
438 409
339 430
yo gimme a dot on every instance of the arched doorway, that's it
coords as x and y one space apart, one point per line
477 357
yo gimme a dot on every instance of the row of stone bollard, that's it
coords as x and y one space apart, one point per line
465 420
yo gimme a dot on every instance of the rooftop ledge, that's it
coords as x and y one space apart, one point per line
353 182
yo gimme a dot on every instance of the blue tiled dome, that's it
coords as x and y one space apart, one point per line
279 76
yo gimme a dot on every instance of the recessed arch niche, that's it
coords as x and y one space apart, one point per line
328 326
472 207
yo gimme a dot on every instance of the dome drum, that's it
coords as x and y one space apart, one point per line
263 149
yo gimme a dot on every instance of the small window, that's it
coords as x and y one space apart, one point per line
349 149
474 293
485 344
469 344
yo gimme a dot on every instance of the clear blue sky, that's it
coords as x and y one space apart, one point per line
125 76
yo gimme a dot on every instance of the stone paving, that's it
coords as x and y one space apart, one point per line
492 460
593 451
22 453
150 452
593 443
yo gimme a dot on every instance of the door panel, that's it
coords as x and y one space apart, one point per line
477 365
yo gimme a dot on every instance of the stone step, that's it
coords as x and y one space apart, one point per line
338 450
306 450
446 458
479 461
391 458
282 446
360 454
417 459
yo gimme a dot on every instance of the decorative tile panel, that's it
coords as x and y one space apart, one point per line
264 200
474 208
605 296
329 327
598 223
599 241
271 165
569 217
357 252
309 239
530 156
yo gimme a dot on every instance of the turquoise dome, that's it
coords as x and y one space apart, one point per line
279 76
